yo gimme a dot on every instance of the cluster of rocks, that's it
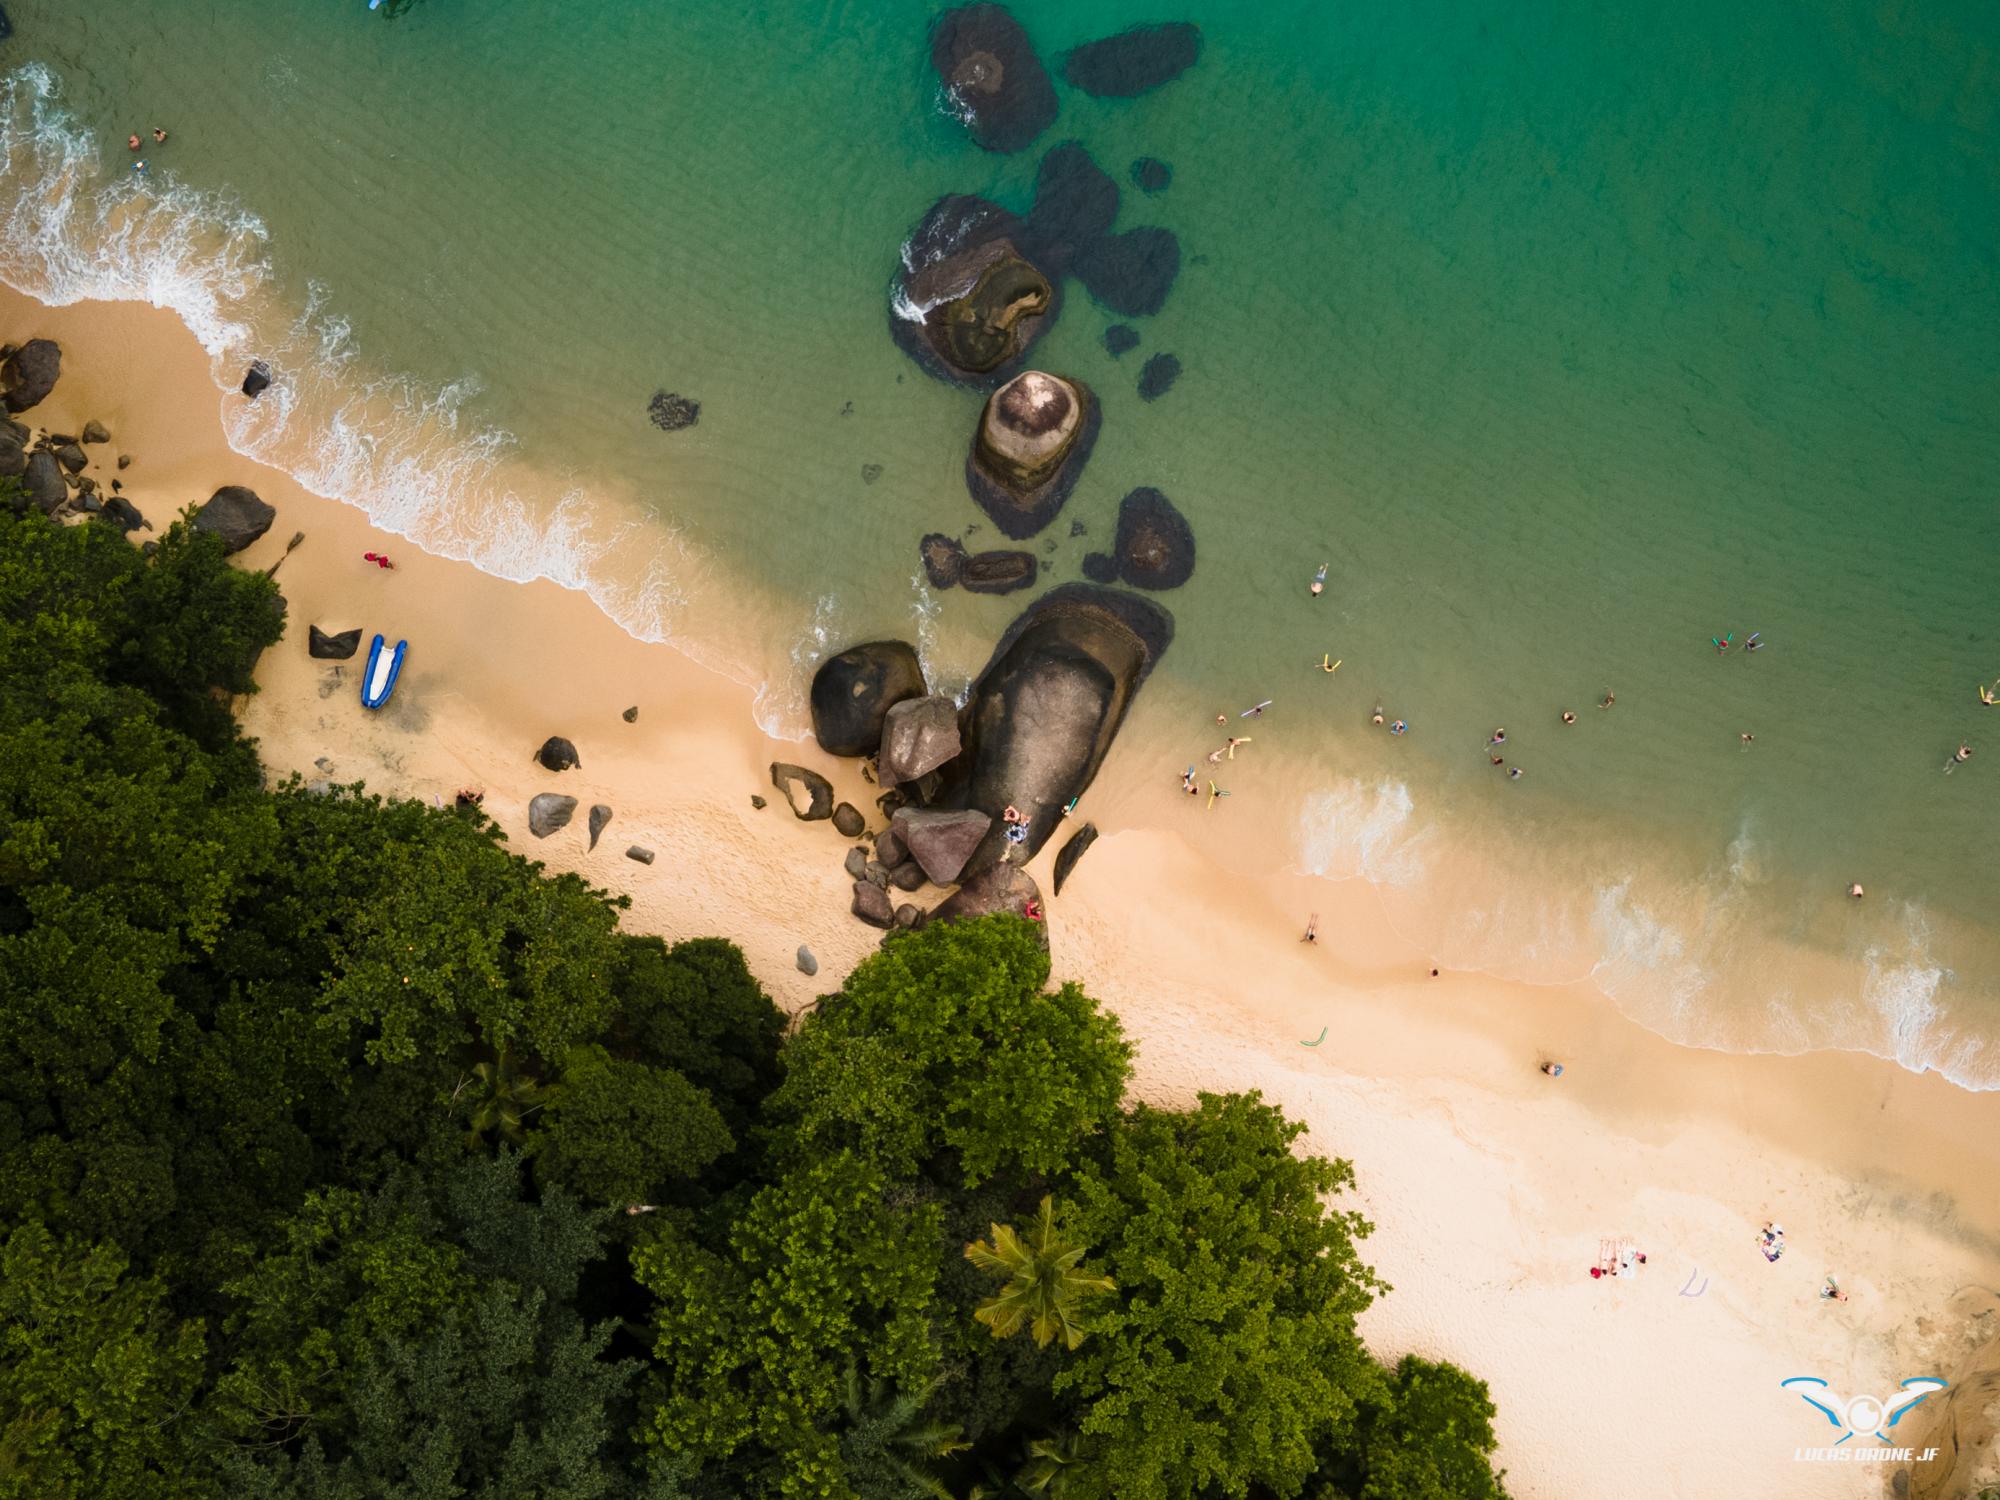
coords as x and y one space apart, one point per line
50 465
1030 737
550 812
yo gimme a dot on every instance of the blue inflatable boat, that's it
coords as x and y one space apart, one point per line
379 680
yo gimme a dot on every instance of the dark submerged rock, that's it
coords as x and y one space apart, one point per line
969 300
1076 201
1151 175
1048 704
1100 567
918 736
671 412
548 812
998 572
943 558
853 692
848 822
236 515
870 473
1131 273
1155 545
1035 435
30 373
1134 62
1073 851
794 780
256 379
1158 376
336 647
600 819
557 754
1120 339
992 77
941 842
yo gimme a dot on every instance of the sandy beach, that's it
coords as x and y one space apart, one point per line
1493 1188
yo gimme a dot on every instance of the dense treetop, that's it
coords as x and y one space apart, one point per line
345 1154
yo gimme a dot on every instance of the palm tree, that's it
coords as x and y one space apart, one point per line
502 1099
1045 1289
1049 1460
888 1446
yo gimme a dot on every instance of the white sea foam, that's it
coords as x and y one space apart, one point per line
783 707
405 455
1356 829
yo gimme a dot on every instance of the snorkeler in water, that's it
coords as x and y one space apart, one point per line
1319 580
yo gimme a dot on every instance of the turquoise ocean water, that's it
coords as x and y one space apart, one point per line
1569 338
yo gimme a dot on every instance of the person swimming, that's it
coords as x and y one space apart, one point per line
1986 695
1499 738
132 141
1609 699
1568 717
1376 717
1513 773
1752 642
1187 782
1327 658
1399 727
1722 646
1257 712
1963 754
1319 580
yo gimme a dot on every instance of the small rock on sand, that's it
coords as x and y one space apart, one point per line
795 780
857 863
807 963
600 817
758 802
95 431
124 460
548 812
557 754
632 714
871 904
847 821
644 856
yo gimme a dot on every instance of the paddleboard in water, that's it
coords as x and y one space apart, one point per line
379 680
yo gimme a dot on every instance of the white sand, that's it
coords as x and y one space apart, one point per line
1491 1186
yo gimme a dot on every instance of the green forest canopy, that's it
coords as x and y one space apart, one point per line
345 1154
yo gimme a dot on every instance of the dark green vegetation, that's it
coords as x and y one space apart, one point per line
344 1154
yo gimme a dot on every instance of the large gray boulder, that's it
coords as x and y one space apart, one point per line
871 904
236 515
548 812
809 794
1044 711
30 374
919 735
43 481
853 692
940 842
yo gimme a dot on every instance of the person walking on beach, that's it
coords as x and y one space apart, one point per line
1553 1068
1312 929
1319 580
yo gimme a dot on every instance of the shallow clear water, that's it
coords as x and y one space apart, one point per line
1568 339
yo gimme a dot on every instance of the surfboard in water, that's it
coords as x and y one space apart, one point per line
379 680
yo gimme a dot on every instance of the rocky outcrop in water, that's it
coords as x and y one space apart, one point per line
236 515
1048 704
853 692
1076 202
1134 62
1034 437
256 379
1157 377
998 572
671 412
1151 175
991 75
943 559
1155 544
30 373
1131 273
969 301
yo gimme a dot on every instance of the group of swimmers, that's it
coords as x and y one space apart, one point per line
132 141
